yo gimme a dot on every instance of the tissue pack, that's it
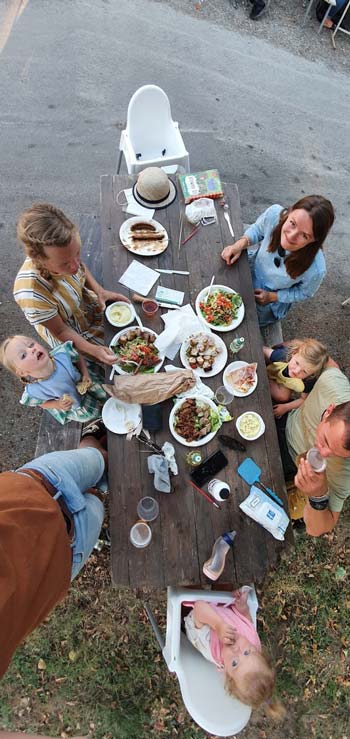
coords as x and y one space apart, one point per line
265 511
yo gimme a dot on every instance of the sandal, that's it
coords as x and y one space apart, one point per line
96 429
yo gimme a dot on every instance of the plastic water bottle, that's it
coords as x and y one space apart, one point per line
214 566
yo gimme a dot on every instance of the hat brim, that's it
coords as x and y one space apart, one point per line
156 206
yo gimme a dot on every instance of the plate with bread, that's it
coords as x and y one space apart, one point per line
240 378
146 238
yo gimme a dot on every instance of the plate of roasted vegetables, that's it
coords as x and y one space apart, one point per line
135 351
220 307
194 421
205 353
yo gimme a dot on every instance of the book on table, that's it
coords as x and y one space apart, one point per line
205 184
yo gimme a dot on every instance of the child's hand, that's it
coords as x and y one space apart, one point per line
65 403
279 410
241 600
226 633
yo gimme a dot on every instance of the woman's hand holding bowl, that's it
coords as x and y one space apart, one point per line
104 295
103 354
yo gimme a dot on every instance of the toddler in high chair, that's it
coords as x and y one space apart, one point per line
226 636
293 367
52 379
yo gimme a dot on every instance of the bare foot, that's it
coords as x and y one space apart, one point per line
328 23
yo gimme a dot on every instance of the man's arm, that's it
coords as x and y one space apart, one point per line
315 485
319 522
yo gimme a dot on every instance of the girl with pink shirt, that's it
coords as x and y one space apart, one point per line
226 636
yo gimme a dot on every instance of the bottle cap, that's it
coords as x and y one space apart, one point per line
224 493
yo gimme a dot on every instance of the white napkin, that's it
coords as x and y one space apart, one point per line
138 277
198 389
132 206
179 324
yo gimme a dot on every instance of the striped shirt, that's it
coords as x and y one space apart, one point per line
66 296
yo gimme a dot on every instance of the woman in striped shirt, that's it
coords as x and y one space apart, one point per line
55 290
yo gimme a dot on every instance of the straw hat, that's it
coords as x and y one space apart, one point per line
154 189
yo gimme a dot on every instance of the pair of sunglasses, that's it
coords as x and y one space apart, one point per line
282 254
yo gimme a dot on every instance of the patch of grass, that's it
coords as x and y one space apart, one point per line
94 666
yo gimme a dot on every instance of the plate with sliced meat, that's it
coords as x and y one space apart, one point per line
194 421
205 353
146 238
240 378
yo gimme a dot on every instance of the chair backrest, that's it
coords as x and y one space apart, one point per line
202 686
149 122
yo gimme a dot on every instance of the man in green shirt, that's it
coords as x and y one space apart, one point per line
322 421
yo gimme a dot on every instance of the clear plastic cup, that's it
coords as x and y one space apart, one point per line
222 396
317 462
147 509
150 307
140 534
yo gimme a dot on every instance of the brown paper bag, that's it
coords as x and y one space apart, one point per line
150 389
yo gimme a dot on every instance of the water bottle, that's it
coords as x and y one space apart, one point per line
214 566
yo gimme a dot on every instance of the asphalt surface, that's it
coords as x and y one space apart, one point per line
267 103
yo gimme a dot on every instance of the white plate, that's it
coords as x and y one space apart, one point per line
114 341
177 436
230 326
220 359
120 302
260 432
144 249
120 417
230 389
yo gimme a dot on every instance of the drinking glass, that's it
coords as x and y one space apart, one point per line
140 535
150 307
148 508
222 396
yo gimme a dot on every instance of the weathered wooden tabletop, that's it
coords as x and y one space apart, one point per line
184 532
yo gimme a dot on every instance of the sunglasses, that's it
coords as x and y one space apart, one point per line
282 254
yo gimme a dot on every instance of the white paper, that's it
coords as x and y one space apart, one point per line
139 278
134 207
179 325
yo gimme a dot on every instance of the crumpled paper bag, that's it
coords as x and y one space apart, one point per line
150 389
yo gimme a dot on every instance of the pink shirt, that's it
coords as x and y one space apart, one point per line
241 623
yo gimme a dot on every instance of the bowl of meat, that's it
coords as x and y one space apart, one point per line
240 378
135 351
205 353
194 421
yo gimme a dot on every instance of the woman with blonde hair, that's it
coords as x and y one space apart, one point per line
285 252
55 290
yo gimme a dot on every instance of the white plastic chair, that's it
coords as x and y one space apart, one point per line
201 685
151 137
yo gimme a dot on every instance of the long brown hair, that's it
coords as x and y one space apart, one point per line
321 213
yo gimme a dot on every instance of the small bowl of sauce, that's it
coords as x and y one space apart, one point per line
120 314
150 307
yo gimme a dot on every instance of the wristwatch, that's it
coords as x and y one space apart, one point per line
321 503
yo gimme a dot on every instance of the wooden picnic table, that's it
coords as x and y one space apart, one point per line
185 530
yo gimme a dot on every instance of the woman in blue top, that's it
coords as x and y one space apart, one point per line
287 262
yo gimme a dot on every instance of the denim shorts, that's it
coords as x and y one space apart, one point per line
72 472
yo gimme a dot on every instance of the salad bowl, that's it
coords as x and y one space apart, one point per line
217 313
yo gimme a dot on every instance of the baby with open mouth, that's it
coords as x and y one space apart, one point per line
56 380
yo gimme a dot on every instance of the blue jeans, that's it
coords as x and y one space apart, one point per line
72 472
339 6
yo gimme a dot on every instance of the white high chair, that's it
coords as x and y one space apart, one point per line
151 137
201 685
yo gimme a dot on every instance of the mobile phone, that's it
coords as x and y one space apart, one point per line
209 467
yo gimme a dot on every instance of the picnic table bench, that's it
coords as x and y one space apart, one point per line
184 532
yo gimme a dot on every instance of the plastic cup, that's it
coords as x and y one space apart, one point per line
150 307
140 535
222 396
317 462
147 509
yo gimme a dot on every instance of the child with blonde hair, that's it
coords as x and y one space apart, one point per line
226 636
57 381
293 368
